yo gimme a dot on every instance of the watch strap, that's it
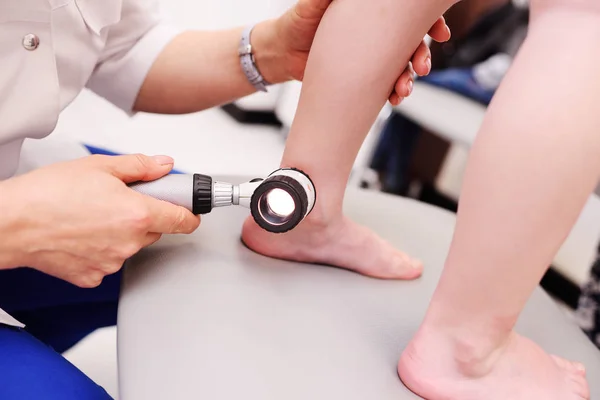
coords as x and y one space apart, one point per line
248 62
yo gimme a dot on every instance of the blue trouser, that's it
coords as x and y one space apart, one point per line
57 315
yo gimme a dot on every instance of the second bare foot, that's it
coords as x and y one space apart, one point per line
519 370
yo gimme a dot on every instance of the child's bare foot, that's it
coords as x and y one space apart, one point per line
519 370
341 243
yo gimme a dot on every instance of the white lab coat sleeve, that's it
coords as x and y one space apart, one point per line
132 46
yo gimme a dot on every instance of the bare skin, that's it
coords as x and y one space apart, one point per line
531 170
183 81
336 243
519 370
331 124
78 221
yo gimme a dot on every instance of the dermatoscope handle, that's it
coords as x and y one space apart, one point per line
176 189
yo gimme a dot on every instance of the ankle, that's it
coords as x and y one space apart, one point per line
476 357
321 217
329 194
470 349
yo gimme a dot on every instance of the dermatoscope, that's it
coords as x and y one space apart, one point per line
277 203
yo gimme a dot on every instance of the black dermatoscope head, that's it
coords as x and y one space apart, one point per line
283 200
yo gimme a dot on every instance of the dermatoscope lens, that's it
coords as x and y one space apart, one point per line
276 206
280 202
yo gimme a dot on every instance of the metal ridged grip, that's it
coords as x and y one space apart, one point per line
222 195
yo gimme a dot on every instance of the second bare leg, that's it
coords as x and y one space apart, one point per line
531 170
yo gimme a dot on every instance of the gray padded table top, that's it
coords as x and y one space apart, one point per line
203 317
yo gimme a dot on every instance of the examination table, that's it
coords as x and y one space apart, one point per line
203 317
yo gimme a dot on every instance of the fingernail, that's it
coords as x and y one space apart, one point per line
428 63
400 100
164 160
409 86
580 367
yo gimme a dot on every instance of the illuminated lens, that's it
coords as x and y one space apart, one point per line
280 202
276 207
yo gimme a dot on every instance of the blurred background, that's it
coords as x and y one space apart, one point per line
418 149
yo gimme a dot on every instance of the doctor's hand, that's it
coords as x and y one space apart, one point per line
78 220
296 30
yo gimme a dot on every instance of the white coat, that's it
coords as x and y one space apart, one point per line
50 50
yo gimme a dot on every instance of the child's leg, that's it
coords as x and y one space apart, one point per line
359 51
531 171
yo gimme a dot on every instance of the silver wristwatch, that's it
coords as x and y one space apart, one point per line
248 62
